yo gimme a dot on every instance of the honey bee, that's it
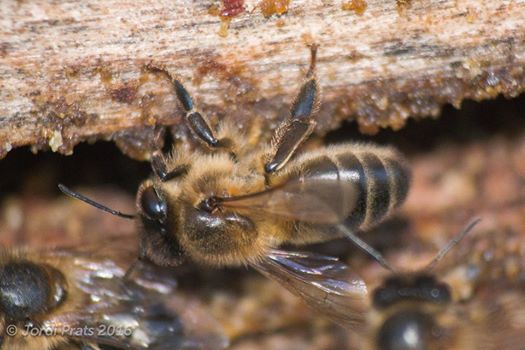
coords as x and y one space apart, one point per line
232 200
60 299
418 310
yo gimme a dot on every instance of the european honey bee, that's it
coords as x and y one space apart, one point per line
418 310
60 299
231 200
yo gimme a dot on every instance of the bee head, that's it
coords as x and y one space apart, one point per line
420 287
156 241
156 226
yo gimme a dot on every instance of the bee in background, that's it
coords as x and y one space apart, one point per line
418 310
60 299
232 200
414 310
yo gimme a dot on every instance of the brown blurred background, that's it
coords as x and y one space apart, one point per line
468 162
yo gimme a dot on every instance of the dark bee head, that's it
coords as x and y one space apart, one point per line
157 225
419 287
28 289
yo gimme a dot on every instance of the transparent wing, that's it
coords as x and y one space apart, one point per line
325 283
319 200
144 311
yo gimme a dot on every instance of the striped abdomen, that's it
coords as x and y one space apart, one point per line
380 175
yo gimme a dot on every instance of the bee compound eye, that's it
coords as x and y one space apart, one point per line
152 205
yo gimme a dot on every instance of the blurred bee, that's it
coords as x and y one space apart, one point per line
417 310
231 200
60 299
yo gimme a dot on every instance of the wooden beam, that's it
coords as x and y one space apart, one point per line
72 71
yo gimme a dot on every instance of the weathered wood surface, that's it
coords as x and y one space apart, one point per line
71 71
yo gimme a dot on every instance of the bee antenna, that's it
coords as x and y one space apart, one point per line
91 202
452 243
366 247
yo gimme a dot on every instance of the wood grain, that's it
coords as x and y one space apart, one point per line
72 71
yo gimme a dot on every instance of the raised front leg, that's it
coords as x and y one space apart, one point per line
195 121
296 129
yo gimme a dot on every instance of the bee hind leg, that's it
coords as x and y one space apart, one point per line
296 129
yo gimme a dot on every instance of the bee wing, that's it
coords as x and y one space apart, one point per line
325 283
143 311
315 200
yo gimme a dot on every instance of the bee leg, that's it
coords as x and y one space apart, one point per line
197 123
158 156
158 164
294 131
194 119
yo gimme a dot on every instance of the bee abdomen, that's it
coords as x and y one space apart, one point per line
382 181
380 177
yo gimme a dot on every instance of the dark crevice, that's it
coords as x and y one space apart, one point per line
102 163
